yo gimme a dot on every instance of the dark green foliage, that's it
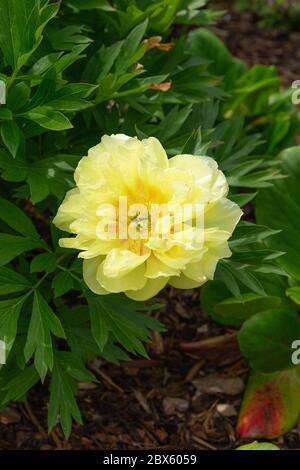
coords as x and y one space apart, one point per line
280 13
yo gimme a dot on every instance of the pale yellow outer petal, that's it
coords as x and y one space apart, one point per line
223 214
205 269
97 248
179 256
155 154
89 270
183 282
206 174
119 262
155 268
196 271
78 243
134 280
152 287
69 209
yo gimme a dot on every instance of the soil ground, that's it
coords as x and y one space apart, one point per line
255 45
168 402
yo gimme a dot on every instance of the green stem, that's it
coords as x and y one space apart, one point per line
71 273
11 79
33 289
41 280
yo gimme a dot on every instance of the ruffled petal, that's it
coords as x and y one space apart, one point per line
223 214
154 153
183 282
155 268
134 280
151 288
120 262
89 270
207 177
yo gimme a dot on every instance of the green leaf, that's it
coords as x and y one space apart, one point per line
13 169
279 208
258 446
17 33
233 311
62 402
17 219
11 136
247 233
67 37
43 262
99 325
45 91
45 63
266 340
11 281
223 274
20 384
21 32
294 294
258 179
5 114
18 96
43 322
173 122
242 198
9 315
271 405
81 342
48 118
212 48
72 97
242 309
101 64
116 314
62 283
51 176
67 60
74 366
129 53
13 245
39 188
91 4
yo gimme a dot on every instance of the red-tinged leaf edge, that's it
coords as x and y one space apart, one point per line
271 405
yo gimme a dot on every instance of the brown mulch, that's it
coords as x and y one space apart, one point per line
256 45
187 396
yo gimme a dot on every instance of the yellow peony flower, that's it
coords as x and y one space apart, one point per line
136 217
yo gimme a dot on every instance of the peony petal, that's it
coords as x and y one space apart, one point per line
154 153
183 282
120 262
133 280
223 214
152 287
207 176
68 211
155 268
97 248
89 270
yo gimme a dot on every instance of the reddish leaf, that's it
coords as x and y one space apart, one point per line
271 405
